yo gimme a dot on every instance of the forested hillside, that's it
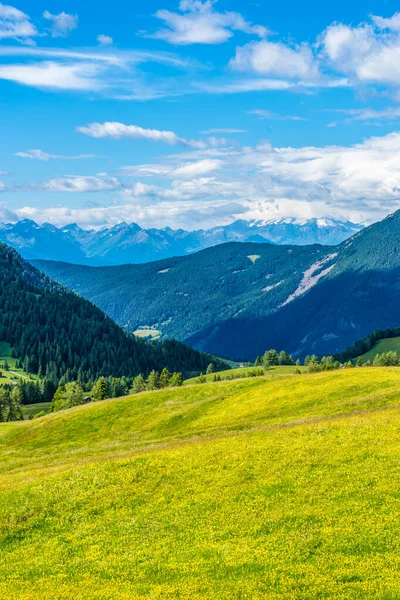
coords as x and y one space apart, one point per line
57 333
181 296
236 300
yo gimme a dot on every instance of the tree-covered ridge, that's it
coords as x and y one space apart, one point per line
183 295
360 347
60 335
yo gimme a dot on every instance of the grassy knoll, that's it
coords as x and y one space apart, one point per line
283 488
34 409
246 372
388 345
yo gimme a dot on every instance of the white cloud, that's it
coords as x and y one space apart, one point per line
277 60
104 40
14 24
45 156
363 53
269 115
53 75
62 24
197 169
392 23
198 23
117 131
107 71
80 184
223 130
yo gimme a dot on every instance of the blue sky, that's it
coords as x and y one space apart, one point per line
198 113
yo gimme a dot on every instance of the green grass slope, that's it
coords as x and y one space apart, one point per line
12 374
388 345
278 488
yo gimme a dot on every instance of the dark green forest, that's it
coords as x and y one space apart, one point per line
59 335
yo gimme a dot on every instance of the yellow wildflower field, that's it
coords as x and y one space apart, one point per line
278 488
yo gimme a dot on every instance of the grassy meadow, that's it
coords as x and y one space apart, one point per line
29 410
244 372
388 345
281 488
11 374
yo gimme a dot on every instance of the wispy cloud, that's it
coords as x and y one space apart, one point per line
52 75
45 156
222 130
269 115
117 131
80 184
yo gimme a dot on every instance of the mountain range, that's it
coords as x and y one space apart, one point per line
238 299
125 243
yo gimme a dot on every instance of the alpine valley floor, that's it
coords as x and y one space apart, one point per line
278 488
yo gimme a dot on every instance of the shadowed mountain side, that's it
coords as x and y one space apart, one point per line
327 319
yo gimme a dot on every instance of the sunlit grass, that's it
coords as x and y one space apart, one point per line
280 488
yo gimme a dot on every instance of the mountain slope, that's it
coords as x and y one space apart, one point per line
284 489
131 244
60 334
236 300
184 295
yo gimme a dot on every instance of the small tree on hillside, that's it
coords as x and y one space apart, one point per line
177 380
210 369
165 378
153 381
139 385
100 390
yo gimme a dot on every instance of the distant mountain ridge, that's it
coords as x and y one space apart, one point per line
129 243
238 299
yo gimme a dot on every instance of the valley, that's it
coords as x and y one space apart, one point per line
304 299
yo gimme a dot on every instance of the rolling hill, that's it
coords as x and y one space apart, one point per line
59 334
236 300
129 243
284 488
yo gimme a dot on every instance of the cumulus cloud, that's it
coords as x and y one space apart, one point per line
104 40
364 53
45 156
14 24
276 59
117 131
62 24
198 22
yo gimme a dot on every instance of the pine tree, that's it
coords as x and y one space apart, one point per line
176 380
139 385
210 369
165 378
100 390
153 381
